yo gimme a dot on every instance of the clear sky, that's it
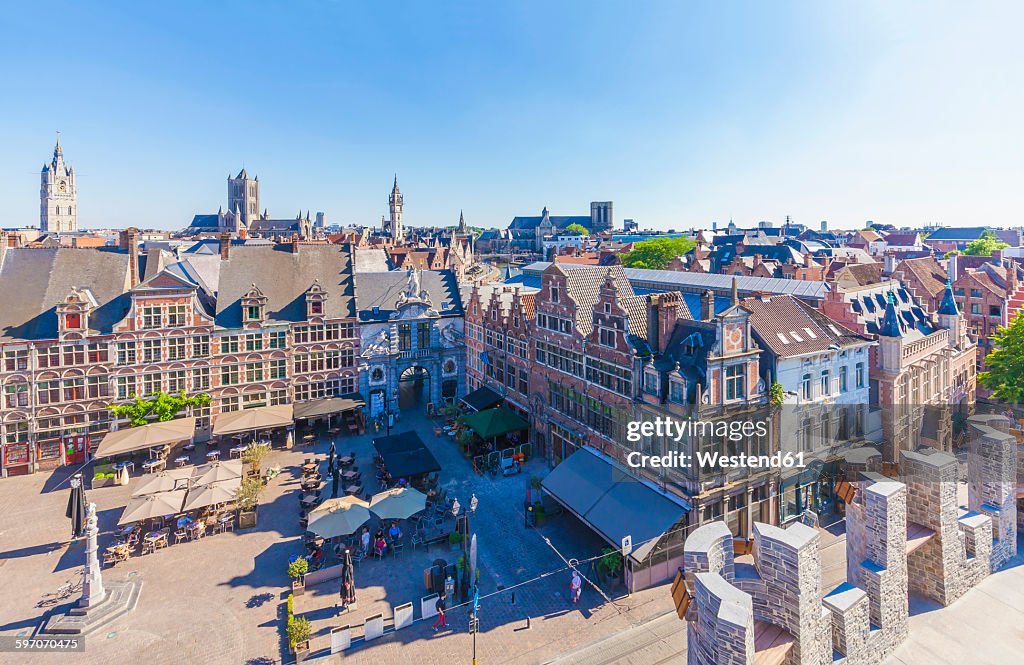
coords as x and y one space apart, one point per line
680 112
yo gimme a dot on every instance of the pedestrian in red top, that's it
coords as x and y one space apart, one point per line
440 607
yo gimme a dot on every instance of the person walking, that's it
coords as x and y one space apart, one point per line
440 607
575 586
365 541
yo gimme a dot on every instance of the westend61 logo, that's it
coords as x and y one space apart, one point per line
734 430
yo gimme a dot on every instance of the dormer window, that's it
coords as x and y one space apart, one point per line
254 305
315 299
73 321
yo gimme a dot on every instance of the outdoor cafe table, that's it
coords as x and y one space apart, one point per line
153 538
309 467
213 455
350 475
238 450
122 465
308 501
353 489
152 464
182 460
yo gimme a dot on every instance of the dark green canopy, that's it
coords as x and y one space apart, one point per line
494 422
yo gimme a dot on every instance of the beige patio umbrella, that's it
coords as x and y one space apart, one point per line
164 481
338 517
146 507
217 472
201 496
398 504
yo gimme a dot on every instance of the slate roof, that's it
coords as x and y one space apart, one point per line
961 234
559 221
902 239
869 304
791 327
34 281
284 278
687 350
383 289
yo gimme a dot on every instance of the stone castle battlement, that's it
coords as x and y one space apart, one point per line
903 535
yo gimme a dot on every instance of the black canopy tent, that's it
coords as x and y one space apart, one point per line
482 398
405 455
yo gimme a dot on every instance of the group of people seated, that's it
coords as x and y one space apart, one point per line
380 545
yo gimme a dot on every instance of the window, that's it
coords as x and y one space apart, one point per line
126 387
606 337
48 392
651 383
176 348
74 389
15 361
316 308
826 382
612 377
958 291
150 383
348 358
975 308
860 375
126 353
843 372
175 316
74 355
278 369
253 372
735 382
229 344
150 318
229 375
994 310
252 313
278 397
49 357
228 404
98 353
201 378
201 346
524 382
73 321
305 334
276 340
975 293
150 350
559 358
333 360
404 336
806 385
17 432
254 342
423 334
176 381
554 293
16 395
675 393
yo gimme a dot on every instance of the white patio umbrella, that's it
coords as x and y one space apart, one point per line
472 560
146 507
338 517
216 472
164 481
398 504
201 496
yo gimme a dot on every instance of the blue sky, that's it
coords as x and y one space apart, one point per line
681 113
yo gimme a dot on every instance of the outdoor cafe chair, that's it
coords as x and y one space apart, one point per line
396 548
180 535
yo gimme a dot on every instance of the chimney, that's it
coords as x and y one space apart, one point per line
295 243
662 313
225 246
707 306
888 263
131 240
735 291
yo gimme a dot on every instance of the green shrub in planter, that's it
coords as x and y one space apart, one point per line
611 562
298 568
454 538
299 630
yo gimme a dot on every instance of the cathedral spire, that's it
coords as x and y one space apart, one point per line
57 150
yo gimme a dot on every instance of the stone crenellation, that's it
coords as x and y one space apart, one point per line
902 535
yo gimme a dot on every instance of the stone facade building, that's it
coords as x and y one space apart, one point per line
58 195
764 598
244 218
412 329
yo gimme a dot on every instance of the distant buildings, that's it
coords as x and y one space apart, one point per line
243 217
528 233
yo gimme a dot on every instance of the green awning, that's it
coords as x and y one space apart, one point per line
494 422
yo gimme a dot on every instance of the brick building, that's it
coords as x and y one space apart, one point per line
83 328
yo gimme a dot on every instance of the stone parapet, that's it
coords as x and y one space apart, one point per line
992 481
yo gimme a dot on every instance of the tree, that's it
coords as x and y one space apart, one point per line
985 245
576 230
656 252
1005 375
165 407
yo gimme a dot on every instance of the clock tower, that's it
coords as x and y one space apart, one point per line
58 198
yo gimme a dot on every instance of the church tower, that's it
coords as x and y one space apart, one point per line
244 197
58 198
395 204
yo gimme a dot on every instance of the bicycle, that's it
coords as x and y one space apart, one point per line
63 592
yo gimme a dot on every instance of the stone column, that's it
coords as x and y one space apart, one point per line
992 482
92 580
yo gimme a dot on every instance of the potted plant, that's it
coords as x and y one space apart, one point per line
297 570
253 456
455 539
610 563
299 631
247 496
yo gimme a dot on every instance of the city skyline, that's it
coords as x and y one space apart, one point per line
682 116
